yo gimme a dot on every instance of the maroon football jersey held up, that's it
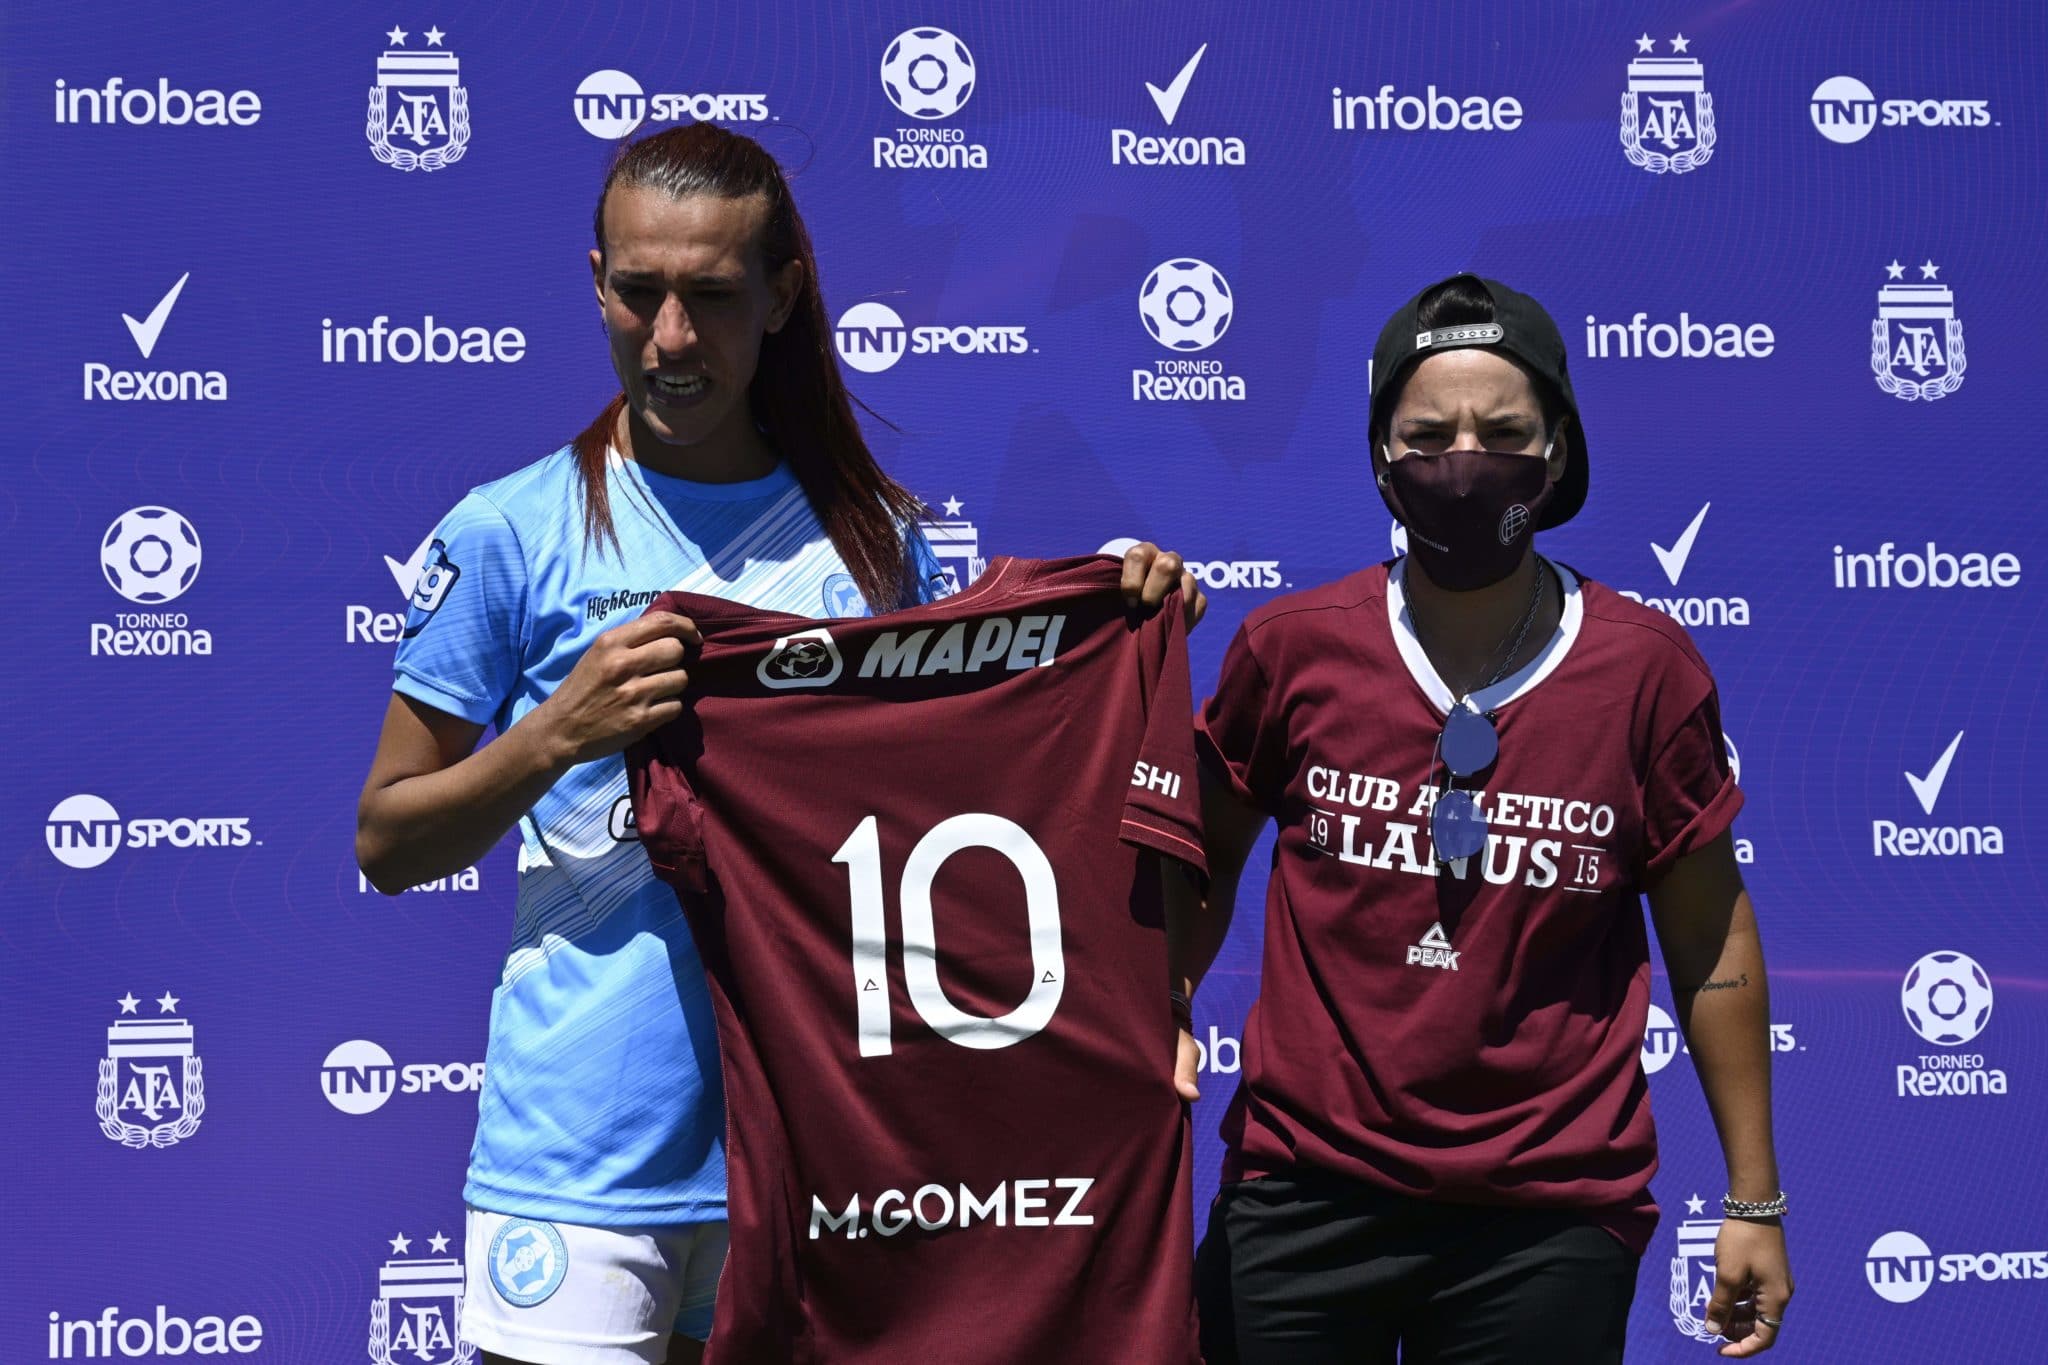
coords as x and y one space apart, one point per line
1469 1032
919 856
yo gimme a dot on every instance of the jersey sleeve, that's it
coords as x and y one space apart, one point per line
927 575
465 624
1237 736
1689 793
1163 808
665 812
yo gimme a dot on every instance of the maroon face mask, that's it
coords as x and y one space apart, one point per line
1470 514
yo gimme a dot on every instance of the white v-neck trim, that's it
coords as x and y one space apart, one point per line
1508 689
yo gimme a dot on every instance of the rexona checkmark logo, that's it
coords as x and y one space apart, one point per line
1691 611
1128 148
1888 839
367 625
104 382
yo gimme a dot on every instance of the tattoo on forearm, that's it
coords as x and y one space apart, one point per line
1731 984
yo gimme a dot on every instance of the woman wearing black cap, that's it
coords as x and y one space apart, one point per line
1478 761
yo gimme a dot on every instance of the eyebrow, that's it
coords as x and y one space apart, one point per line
656 277
1502 418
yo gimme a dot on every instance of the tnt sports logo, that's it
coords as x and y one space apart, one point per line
1846 110
610 104
1916 340
150 1073
1692 1272
809 658
1900 1267
872 337
419 111
437 575
359 1077
165 105
419 1302
1661 1041
1217 574
85 831
1947 999
527 1261
1667 116
150 555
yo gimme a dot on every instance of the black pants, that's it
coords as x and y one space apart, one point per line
1309 1270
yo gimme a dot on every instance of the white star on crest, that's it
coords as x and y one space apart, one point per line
401 1245
1646 44
437 1242
1680 43
1927 271
952 506
1895 271
434 36
1695 1205
396 37
128 1003
167 1001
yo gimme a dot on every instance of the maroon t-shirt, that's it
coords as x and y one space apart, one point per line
1471 1033
918 853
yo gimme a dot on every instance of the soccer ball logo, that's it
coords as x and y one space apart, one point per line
1186 305
150 555
1947 998
928 73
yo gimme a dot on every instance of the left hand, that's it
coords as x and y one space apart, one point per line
1749 1265
1150 573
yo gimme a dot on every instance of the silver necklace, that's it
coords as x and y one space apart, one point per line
1512 642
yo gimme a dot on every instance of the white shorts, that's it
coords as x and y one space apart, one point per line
567 1294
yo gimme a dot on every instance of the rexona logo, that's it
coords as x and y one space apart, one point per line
1662 1040
465 880
359 1077
1217 574
430 342
1916 339
1691 611
419 111
150 555
872 337
1845 110
367 625
1667 116
419 1302
85 831
1428 112
157 1336
1685 339
1947 999
1901 1267
1186 305
928 74
165 104
151 1090
610 105
1128 148
107 384
1889 839
1888 567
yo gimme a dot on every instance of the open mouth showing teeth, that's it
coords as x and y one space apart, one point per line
678 385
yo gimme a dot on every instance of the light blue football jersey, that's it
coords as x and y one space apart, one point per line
602 1101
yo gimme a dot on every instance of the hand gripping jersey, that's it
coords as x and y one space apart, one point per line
916 854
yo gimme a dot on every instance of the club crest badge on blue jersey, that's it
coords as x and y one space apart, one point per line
842 597
430 589
527 1262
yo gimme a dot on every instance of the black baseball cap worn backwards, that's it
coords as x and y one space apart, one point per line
1520 328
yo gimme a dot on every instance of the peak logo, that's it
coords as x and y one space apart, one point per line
359 1077
1916 339
1888 839
1127 147
1429 112
1217 574
1900 1267
84 832
418 116
165 105
1685 339
1690 611
163 1334
150 555
872 337
1845 110
107 384
1186 305
1667 116
928 74
610 104
430 342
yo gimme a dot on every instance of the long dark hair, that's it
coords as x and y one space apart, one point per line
797 396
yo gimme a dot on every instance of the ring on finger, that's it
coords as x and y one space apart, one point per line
1773 1323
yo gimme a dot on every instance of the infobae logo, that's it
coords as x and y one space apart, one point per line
1890 567
929 75
872 337
104 383
611 105
1641 339
1129 148
158 1335
163 104
432 343
1431 111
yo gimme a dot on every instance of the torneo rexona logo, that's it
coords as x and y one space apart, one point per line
1947 999
1186 305
419 112
1667 116
809 658
928 73
150 1073
419 1302
527 1261
150 555
1916 340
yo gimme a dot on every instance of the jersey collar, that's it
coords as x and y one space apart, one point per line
1508 689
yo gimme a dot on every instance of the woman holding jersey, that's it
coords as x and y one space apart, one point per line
1478 762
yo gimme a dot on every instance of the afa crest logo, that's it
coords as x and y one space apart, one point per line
1667 116
957 545
1916 340
419 111
1692 1272
150 1073
419 1302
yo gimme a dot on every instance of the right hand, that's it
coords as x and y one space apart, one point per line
627 684
1187 1064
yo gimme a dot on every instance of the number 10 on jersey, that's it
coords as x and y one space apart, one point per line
862 854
